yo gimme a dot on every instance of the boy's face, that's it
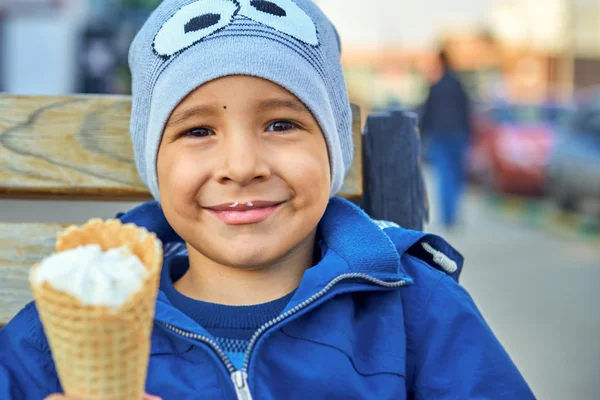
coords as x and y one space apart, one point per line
247 145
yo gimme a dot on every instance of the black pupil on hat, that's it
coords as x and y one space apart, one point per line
268 7
201 22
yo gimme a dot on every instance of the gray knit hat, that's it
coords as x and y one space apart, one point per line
186 43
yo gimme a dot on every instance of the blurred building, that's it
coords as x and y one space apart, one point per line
525 51
388 45
514 50
55 47
38 42
551 47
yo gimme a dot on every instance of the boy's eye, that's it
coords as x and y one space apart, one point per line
197 132
281 126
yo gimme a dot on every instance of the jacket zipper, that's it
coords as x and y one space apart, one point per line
240 377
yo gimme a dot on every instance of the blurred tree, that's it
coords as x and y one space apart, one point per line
105 44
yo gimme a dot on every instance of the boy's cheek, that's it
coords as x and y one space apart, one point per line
308 170
309 152
179 178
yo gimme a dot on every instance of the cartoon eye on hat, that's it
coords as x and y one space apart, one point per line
202 18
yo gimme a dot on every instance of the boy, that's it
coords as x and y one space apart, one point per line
272 288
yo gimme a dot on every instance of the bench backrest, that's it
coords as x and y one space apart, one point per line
72 148
394 189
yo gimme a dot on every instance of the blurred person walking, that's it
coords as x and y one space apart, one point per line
446 129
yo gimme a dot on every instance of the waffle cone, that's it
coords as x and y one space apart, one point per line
102 352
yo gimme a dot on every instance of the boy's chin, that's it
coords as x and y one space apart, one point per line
250 260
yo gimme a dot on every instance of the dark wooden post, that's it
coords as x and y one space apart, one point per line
393 187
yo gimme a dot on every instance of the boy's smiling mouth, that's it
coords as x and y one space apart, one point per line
247 212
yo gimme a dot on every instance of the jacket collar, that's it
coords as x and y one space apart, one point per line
345 225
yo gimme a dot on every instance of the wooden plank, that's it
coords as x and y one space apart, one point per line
352 188
78 147
71 146
21 246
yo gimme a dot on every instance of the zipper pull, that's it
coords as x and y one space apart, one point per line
240 381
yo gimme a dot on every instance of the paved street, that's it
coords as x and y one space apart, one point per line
539 291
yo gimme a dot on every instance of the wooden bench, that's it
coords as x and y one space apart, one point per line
72 148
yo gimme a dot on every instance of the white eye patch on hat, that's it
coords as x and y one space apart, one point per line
203 18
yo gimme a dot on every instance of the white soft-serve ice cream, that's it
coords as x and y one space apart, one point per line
94 277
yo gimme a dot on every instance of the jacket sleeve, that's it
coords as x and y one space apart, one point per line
456 354
26 367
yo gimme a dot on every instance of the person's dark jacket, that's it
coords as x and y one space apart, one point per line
447 108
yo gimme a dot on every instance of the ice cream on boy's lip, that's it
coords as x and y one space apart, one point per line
247 212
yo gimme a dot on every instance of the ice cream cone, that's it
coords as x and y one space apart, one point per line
99 351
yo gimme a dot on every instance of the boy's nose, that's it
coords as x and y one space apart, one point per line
243 162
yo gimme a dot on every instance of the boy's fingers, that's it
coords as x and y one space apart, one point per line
149 397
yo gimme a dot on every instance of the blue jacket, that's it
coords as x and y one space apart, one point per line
380 317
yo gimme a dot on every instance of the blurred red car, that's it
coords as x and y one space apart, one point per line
511 145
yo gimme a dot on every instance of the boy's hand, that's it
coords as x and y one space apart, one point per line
63 397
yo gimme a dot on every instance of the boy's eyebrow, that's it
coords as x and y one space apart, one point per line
184 114
264 105
291 104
